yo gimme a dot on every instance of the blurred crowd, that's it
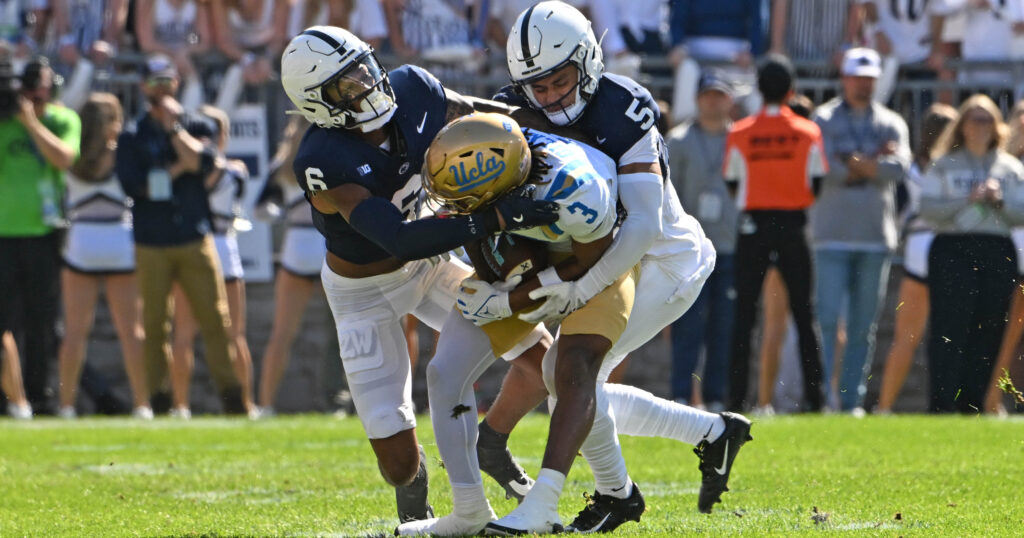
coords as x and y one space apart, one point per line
103 101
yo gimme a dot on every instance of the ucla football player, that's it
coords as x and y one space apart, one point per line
556 67
359 166
473 163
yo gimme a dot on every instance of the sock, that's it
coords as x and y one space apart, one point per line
643 414
469 500
602 451
546 490
491 439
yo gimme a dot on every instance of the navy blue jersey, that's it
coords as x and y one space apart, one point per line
328 158
618 115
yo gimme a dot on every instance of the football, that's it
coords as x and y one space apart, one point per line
502 256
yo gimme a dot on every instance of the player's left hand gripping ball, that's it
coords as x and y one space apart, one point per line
482 303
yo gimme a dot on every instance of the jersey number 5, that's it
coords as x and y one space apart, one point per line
315 179
642 115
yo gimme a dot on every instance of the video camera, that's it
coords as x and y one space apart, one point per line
10 89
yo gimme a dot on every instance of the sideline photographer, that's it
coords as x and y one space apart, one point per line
39 141
162 162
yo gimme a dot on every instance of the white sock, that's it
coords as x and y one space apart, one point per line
643 414
469 500
603 453
546 490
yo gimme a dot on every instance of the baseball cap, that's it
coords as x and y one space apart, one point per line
862 62
159 66
711 81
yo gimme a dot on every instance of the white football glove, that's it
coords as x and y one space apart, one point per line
561 299
483 303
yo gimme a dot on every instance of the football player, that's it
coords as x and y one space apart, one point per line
359 166
556 68
473 162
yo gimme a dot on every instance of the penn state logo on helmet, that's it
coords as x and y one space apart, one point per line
546 38
335 80
474 160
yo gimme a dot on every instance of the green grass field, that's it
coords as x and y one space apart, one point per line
315 476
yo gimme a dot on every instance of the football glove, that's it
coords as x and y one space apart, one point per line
520 211
482 303
560 300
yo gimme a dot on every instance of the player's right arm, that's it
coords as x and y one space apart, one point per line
383 223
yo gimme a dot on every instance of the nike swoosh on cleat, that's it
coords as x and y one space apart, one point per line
725 459
419 128
521 489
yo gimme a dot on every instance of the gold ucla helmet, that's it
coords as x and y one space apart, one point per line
475 160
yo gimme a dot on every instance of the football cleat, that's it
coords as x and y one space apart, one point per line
412 499
499 465
716 459
521 521
450 525
604 513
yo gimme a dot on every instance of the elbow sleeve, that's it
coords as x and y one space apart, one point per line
382 222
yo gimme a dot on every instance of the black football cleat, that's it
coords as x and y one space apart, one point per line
716 460
605 513
412 499
499 465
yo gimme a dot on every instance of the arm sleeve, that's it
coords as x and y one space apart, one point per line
131 171
892 168
936 204
382 222
642 195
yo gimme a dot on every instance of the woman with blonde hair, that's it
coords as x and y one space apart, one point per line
226 186
99 251
973 195
912 306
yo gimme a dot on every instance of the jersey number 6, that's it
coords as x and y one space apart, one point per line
642 115
315 179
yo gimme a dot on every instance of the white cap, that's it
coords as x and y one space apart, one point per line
862 62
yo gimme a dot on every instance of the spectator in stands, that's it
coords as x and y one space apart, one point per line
435 30
226 184
89 36
773 192
99 251
366 15
816 31
988 36
728 33
912 305
973 194
629 28
180 29
501 14
10 379
41 142
163 161
902 36
19 32
854 219
696 151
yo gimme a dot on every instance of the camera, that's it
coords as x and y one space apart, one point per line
10 89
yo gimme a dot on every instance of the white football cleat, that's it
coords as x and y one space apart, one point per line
526 521
19 411
450 525
181 413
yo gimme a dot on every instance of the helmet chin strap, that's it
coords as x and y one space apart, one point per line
378 122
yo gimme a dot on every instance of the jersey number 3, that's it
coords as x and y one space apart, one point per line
315 180
642 115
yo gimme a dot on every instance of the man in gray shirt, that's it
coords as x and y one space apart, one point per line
853 221
696 151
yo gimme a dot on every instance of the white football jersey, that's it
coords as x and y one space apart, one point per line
582 180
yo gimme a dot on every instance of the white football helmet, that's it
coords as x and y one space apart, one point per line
545 38
335 80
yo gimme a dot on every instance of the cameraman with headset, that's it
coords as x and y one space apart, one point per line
39 141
